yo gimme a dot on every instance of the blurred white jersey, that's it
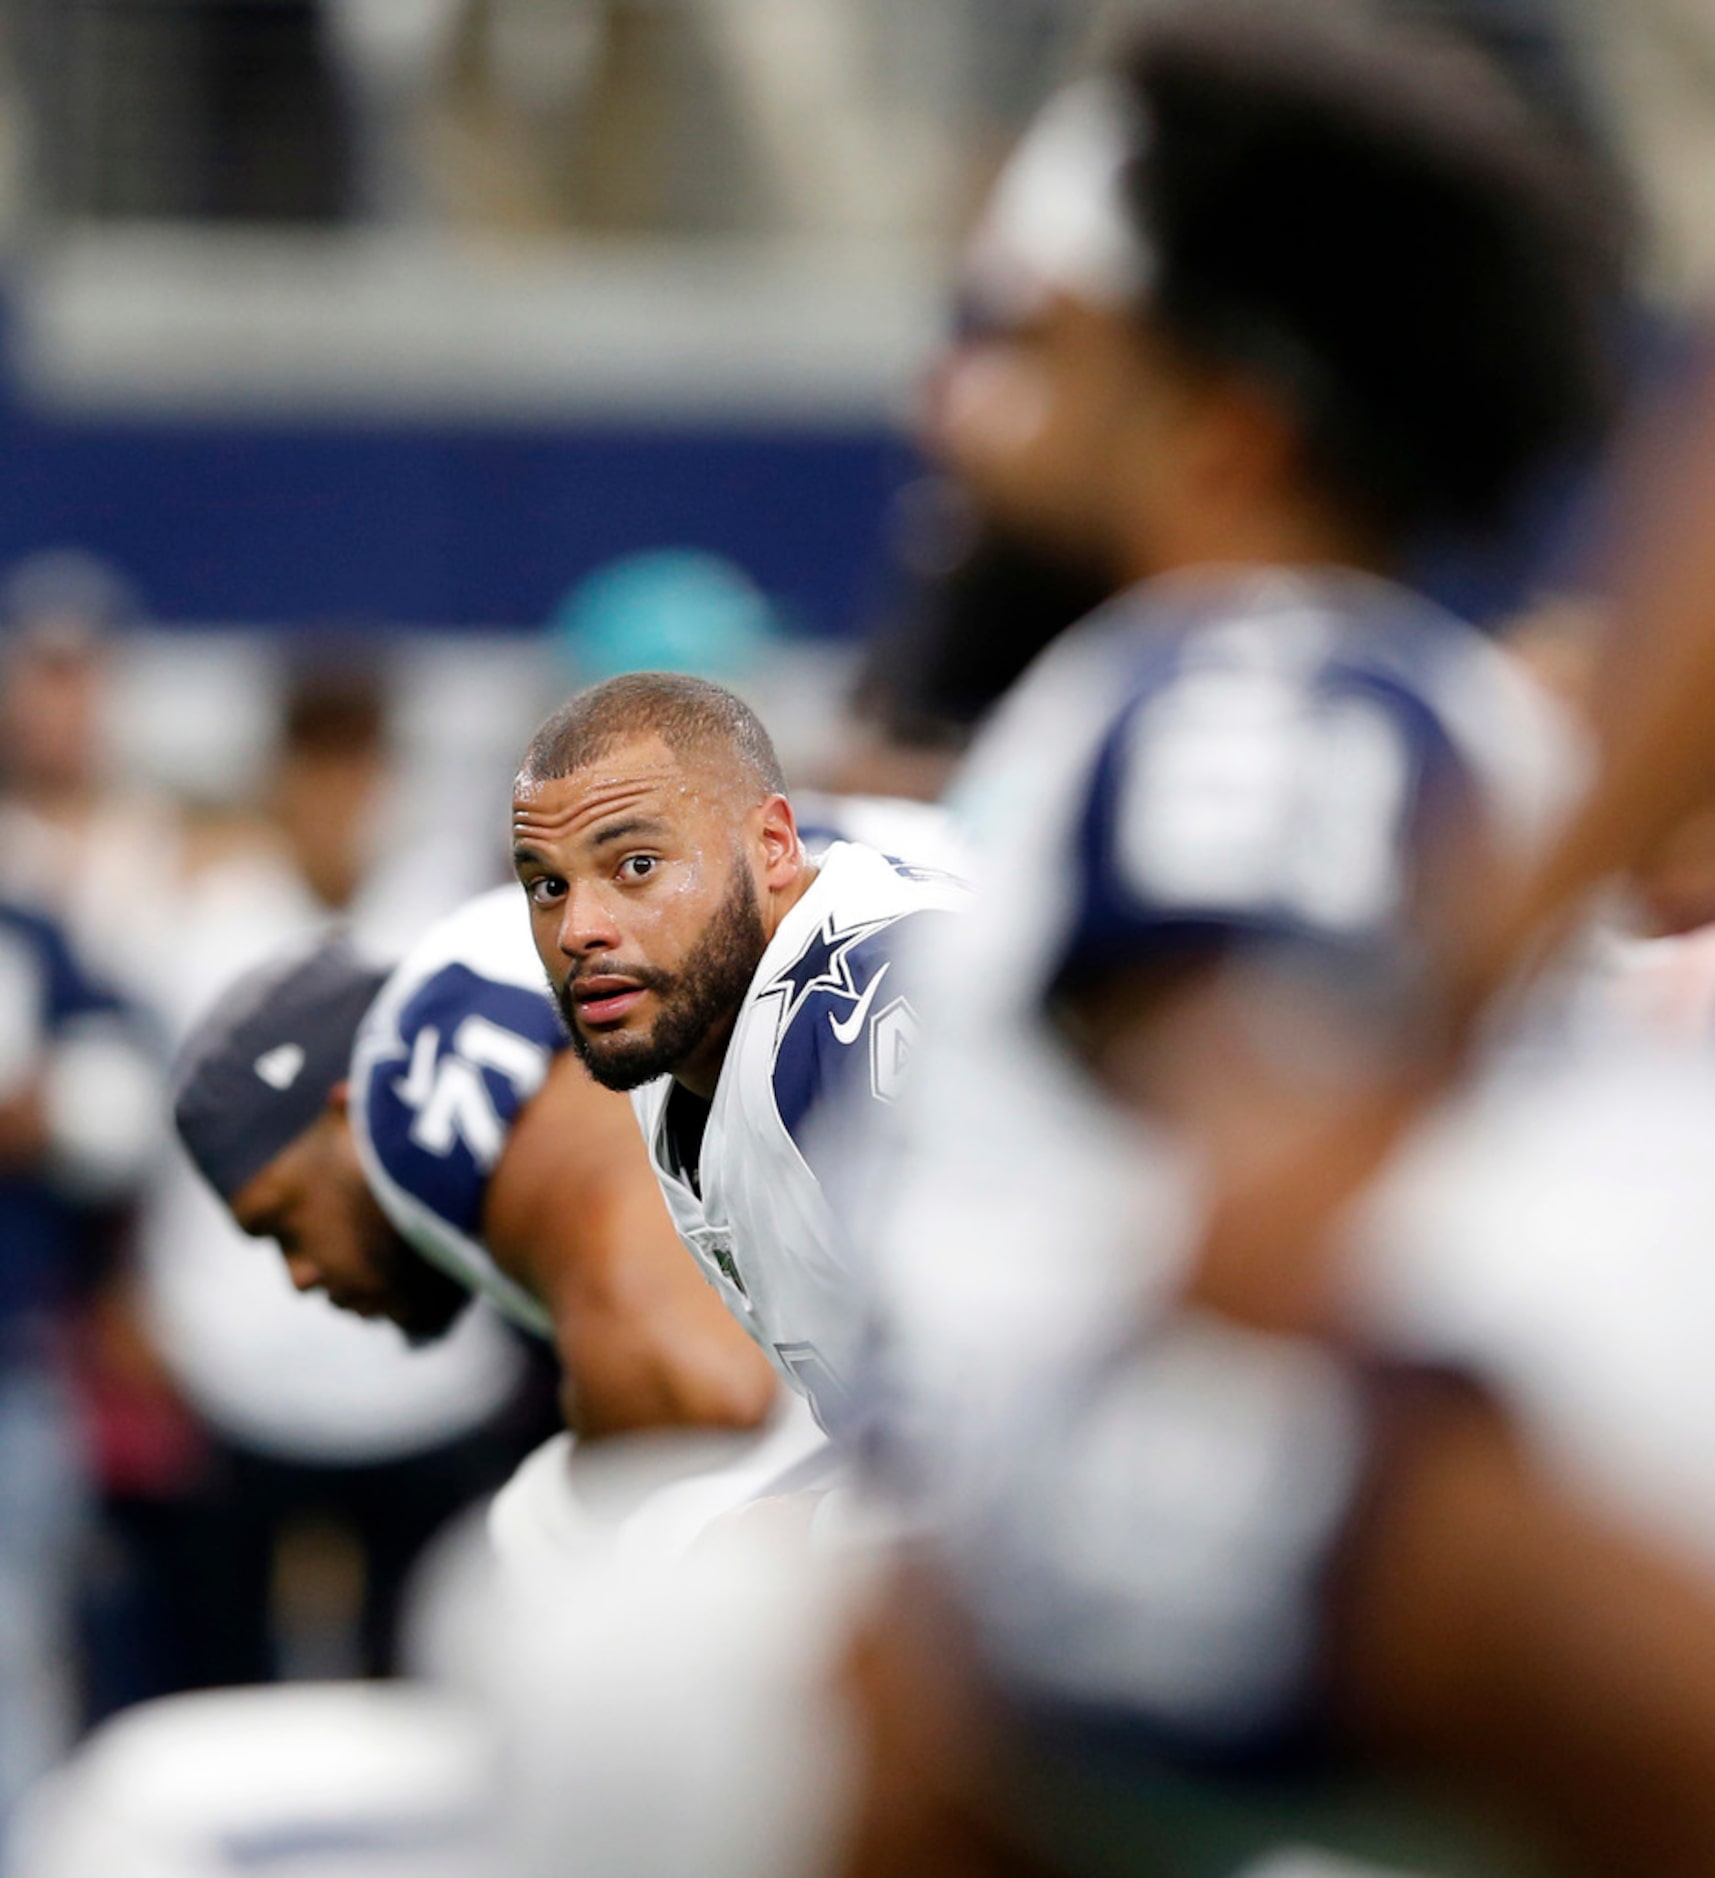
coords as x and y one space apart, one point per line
829 1018
1253 765
1256 762
457 1042
318 1780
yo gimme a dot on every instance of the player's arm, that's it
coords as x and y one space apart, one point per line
1500 1631
1485 1629
1491 1624
574 1214
1286 1086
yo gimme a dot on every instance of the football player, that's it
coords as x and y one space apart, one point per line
1257 309
412 1139
702 961
1257 753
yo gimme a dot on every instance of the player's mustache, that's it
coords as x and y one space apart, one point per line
644 977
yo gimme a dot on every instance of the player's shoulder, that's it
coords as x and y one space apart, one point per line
40 970
858 883
460 1038
1259 657
923 834
473 973
844 989
1318 633
489 936
1267 755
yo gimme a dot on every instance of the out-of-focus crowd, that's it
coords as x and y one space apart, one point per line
829 117
838 116
205 1478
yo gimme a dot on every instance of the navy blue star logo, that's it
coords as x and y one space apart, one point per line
824 965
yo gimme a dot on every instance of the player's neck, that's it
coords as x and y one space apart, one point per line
700 1072
1288 534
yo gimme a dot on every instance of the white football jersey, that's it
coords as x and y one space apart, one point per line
1207 766
1250 762
459 1039
829 1018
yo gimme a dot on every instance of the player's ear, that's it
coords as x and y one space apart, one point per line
339 1098
781 850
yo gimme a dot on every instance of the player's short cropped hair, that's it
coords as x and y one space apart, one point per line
690 715
1370 218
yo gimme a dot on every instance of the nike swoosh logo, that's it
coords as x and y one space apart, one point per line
846 1033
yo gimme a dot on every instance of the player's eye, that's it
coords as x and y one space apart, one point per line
545 890
637 866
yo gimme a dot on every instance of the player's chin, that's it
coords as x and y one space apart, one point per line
620 1060
360 1303
427 1311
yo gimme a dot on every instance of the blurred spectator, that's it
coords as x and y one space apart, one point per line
1657 61
842 117
80 1118
75 839
309 1419
211 109
686 610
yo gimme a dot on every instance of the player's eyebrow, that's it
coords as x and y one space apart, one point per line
635 825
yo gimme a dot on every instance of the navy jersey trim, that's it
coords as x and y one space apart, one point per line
849 1017
1117 922
470 1052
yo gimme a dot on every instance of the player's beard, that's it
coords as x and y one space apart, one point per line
705 992
422 1299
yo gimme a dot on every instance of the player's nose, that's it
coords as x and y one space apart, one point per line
586 922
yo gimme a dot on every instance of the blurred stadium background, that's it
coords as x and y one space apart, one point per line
414 312
341 343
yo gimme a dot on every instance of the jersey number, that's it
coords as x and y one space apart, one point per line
449 1093
1245 792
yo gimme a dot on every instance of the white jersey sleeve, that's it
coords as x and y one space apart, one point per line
456 1044
1213 764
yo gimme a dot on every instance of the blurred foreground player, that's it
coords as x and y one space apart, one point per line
1263 748
704 962
416 1138
1178 1532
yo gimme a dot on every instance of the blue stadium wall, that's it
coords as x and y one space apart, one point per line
477 526
442 525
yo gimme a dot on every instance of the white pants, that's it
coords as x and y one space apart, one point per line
650 1496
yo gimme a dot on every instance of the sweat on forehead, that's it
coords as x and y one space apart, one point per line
693 718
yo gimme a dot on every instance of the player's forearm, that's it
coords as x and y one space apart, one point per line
625 1377
1507 1635
644 1342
